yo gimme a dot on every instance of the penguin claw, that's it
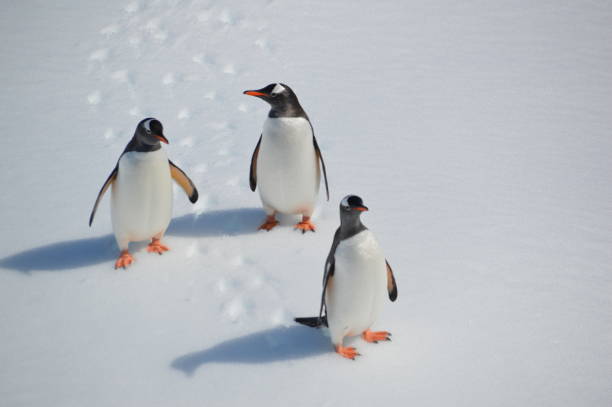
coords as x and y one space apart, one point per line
347 352
156 247
305 226
374 337
268 225
124 260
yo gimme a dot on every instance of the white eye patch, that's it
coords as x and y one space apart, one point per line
344 201
147 125
278 88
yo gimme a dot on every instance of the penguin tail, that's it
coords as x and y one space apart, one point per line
313 322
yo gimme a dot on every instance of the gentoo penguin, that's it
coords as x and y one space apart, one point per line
356 278
141 191
285 163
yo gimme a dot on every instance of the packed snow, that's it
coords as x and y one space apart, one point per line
478 134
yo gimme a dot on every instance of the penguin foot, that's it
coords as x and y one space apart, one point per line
124 260
347 352
268 224
374 337
305 225
156 247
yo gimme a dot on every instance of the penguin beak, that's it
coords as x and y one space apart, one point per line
255 93
161 138
361 208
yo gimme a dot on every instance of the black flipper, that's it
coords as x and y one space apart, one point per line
111 178
253 169
391 284
184 181
320 157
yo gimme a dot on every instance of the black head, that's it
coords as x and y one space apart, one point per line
352 204
150 132
282 99
351 208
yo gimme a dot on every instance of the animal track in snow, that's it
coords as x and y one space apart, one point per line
99 55
109 134
191 250
234 309
121 76
225 17
203 16
186 142
229 69
169 79
183 114
233 182
134 41
200 168
94 97
131 8
110 30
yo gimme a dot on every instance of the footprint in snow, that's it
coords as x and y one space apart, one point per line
99 55
132 7
94 98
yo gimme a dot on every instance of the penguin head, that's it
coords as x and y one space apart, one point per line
281 98
150 132
352 205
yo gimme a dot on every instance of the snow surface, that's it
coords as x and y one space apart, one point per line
477 132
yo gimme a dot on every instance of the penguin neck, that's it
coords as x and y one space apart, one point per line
350 226
287 110
136 145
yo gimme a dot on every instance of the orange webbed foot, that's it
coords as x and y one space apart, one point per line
156 247
374 337
305 225
269 224
124 260
347 352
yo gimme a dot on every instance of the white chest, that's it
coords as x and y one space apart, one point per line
359 285
287 166
141 203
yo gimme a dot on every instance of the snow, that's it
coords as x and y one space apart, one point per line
478 134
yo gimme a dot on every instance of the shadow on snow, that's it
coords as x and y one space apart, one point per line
76 253
271 345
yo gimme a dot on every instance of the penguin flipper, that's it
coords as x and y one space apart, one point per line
320 158
253 169
313 322
184 181
111 178
330 267
391 284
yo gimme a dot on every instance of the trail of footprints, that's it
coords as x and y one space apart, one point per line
150 29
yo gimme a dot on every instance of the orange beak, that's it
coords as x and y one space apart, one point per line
254 93
161 138
361 208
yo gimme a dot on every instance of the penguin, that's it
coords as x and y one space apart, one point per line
285 162
141 191
354 283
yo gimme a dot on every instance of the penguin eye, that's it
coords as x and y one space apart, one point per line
274 95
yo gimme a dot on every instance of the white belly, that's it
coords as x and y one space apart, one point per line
359 286
141 199
287 167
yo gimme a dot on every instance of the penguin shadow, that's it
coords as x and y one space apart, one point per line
223 222
64 255
272 345
71 254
